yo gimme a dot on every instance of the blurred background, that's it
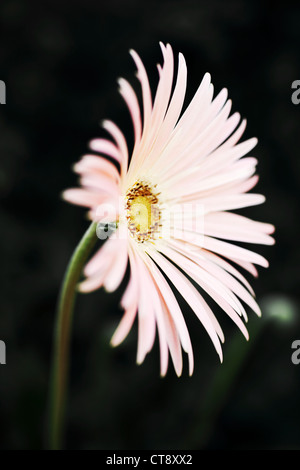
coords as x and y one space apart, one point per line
60 61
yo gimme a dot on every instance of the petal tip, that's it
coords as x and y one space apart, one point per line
62 195
81 288
221 357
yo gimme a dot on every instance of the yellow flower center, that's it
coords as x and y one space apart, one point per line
143 214
140 212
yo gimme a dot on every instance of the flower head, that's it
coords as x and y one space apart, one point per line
172 203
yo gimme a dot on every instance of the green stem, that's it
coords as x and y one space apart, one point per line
59 379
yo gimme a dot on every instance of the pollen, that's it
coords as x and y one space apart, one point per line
142 211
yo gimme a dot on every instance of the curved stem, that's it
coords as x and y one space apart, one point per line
62 333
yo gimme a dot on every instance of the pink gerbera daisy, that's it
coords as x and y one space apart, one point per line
172 203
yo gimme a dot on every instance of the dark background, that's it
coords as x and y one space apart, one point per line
60 61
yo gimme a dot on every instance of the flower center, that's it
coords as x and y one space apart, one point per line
143 214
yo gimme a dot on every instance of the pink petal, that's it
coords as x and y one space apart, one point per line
98 164
125 325
107 147
117 271
83 197
203 278
234 252
191 295
176 314
133 106
119 138
146 315
146 92
174 109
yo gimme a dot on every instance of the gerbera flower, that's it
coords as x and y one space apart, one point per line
172 202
